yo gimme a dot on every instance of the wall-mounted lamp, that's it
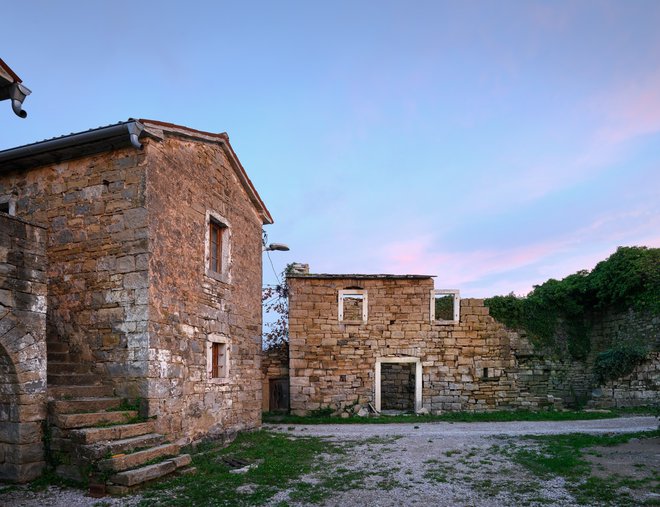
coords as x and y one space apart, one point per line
280 247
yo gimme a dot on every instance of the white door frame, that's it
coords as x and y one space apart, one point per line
418 378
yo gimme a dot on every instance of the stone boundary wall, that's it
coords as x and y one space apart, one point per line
23 293
639 388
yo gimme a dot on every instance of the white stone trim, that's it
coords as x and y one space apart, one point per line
225 276
211 339
457 305
11 200
418 379
352 292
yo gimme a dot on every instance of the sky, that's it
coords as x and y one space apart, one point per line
493 144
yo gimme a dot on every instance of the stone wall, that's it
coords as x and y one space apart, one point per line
187 180
639 388
98 252
398 386
274 366
22 348
468 365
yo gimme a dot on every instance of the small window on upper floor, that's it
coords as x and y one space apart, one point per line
353 305
217 247
217 358
7 205
445 306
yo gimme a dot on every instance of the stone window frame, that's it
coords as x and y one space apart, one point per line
352 292
10 200
418 379
225 275
221 340
456 293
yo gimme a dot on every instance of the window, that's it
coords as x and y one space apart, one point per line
353 305
217 247
216 232
8 205
445 306
217 358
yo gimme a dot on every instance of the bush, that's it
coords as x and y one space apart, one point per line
618 361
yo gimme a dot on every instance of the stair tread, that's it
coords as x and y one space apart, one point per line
150 472
90 419
93 435
128 461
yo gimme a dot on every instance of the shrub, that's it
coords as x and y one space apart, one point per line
618 361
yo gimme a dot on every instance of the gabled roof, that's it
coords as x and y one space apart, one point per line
121 135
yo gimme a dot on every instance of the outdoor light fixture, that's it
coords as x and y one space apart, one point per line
280 247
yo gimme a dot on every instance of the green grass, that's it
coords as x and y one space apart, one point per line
494 416
282 462
563 455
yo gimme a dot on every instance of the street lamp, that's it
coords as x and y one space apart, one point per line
280 247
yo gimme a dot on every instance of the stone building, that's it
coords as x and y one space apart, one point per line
393 342
152 241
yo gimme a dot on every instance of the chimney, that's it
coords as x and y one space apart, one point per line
298 268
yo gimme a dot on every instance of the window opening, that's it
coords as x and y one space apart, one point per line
445 306
216 233
217 358
353 305
4 207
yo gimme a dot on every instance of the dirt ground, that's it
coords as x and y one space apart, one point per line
439 464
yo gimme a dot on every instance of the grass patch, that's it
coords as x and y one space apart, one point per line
283 461
563 455
495 416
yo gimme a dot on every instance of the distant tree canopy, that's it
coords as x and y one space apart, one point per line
629 278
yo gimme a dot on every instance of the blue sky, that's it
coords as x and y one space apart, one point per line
493 144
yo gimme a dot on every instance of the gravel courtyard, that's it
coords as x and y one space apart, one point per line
439 464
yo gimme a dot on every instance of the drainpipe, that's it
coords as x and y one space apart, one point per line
17 94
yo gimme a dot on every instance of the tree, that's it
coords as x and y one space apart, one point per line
275 299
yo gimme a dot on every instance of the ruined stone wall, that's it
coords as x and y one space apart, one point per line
639 388
186 181
469 365
97 252
22 348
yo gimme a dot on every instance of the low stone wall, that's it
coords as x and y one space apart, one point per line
22 349
639 388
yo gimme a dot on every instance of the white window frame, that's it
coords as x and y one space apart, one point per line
11 200
418 379
352 292
457 305
225 275
217 338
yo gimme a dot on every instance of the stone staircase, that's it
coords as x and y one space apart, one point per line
96 438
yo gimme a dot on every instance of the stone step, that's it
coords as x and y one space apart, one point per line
123 462
79 405
71 392
119 432
67 367
72 379
58 356
71 421
101 449
146 473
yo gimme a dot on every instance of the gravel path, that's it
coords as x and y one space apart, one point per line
439 464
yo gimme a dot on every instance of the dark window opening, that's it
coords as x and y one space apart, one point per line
216 232
4 207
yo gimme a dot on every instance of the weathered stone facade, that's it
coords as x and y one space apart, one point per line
22 348
641 387
475 363
131 294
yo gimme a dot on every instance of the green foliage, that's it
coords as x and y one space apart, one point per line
618 361
629 278
444 307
